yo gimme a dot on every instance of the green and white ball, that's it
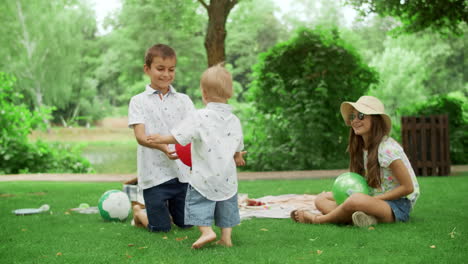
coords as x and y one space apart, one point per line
114 205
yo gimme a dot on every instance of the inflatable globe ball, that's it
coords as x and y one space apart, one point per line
114 205
347 184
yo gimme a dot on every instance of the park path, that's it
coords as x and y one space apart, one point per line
310 174
126 177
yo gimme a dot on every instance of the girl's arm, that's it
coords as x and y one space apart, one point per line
401 173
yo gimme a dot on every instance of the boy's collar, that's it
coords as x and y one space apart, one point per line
219 106
149 90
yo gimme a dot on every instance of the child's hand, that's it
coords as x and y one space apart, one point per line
154 138
169 153
239 159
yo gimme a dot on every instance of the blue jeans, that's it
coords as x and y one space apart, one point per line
200 211
165 199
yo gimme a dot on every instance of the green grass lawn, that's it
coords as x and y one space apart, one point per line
437 232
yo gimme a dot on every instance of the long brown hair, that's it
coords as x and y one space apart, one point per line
356 148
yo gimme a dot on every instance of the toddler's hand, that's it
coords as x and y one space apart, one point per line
171 154
239 159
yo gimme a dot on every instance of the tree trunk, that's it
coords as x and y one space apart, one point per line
218 12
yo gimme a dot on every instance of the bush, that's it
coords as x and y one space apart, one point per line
455 105
298 88
17 155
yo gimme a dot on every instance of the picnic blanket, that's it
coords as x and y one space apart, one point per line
273 206
276 206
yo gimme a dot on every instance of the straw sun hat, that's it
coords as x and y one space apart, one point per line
367 105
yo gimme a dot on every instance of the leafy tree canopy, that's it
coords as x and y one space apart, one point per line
418 15
298 88
17 154
252 29
141 24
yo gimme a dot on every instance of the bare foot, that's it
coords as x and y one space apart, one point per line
224 243
204 239
303 216
137 211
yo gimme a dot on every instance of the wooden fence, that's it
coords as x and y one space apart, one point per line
426 142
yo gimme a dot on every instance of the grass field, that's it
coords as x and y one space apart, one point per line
436 233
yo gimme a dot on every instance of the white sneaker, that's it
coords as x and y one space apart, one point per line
362 219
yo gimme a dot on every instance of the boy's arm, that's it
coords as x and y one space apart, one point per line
161 139
239 158
142 139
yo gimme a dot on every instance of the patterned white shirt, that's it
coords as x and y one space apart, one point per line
159 114
216 135
389 151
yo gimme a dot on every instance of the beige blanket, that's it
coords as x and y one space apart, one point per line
279 206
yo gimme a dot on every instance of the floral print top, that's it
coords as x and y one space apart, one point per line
389 151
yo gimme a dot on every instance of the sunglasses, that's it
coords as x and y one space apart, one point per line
359 115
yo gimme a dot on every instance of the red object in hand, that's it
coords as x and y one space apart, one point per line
184 153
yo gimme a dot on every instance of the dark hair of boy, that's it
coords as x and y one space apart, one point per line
159 50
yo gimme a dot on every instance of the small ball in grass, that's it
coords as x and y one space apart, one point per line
83 206
347 184
114 205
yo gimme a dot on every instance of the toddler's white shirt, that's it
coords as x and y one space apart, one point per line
216 135
159 116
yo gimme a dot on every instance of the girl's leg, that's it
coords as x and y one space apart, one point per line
356 202
225 237
207 235
325 203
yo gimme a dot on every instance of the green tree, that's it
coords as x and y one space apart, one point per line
41 45
415 67
17 154
139 25
369 36
311 13
253 28
402 74
86 105
218 12
418 15
297 91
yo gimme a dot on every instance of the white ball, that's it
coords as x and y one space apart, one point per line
114 205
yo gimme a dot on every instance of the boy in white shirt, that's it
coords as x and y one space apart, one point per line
216 137
161 176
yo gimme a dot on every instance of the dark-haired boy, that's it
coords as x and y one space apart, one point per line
161 175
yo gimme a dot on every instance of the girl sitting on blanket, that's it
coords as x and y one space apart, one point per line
393 184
